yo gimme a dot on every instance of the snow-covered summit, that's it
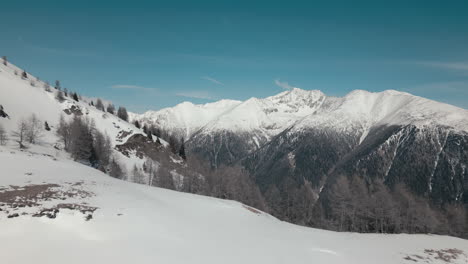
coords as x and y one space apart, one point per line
303 108
186 118
390 107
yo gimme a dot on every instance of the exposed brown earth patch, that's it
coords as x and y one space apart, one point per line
73 110
251 209
13 198
140 145
449 255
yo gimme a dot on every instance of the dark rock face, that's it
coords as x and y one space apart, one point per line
141 146
309 155
431 161
3 113
223 147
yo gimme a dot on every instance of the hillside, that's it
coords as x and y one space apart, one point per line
22 97
73 213
308 153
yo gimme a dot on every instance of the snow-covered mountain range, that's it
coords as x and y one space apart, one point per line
300 135
304 108
311 139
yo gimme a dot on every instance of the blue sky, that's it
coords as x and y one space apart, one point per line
155 54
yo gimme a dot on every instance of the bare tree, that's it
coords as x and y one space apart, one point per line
103 149
20 133
34 129
138 175
64 133
3 136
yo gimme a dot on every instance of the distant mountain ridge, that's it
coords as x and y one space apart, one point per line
301 143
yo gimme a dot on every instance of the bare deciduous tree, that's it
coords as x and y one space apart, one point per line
3 136
20 133
34 129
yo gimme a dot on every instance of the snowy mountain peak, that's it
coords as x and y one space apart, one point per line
273 114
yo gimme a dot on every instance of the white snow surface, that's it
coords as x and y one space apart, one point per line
20 100
141 224
305 109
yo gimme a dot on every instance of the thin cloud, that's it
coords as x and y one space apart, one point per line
213 80
196 94
55 51
461 66
458 87
284 85
131 87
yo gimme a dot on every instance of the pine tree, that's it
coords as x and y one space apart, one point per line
115 170
46 126
5 61
137 124
57 85
182 149
47 86
111 108
75 97
173 144
149 134
122 113
59 96
99 104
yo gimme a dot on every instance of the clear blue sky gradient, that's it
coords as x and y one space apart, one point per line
155 54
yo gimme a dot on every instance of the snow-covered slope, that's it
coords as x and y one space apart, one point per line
267 116
20 98
186 118
270 116
367 109
84 216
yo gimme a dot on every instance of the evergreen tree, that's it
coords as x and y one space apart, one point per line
5 61
24 75
75 97
182 149
122 113
99 104
137 124
57 85
149 134
47 86
115 170
59 96
46 126
173 144
111 108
